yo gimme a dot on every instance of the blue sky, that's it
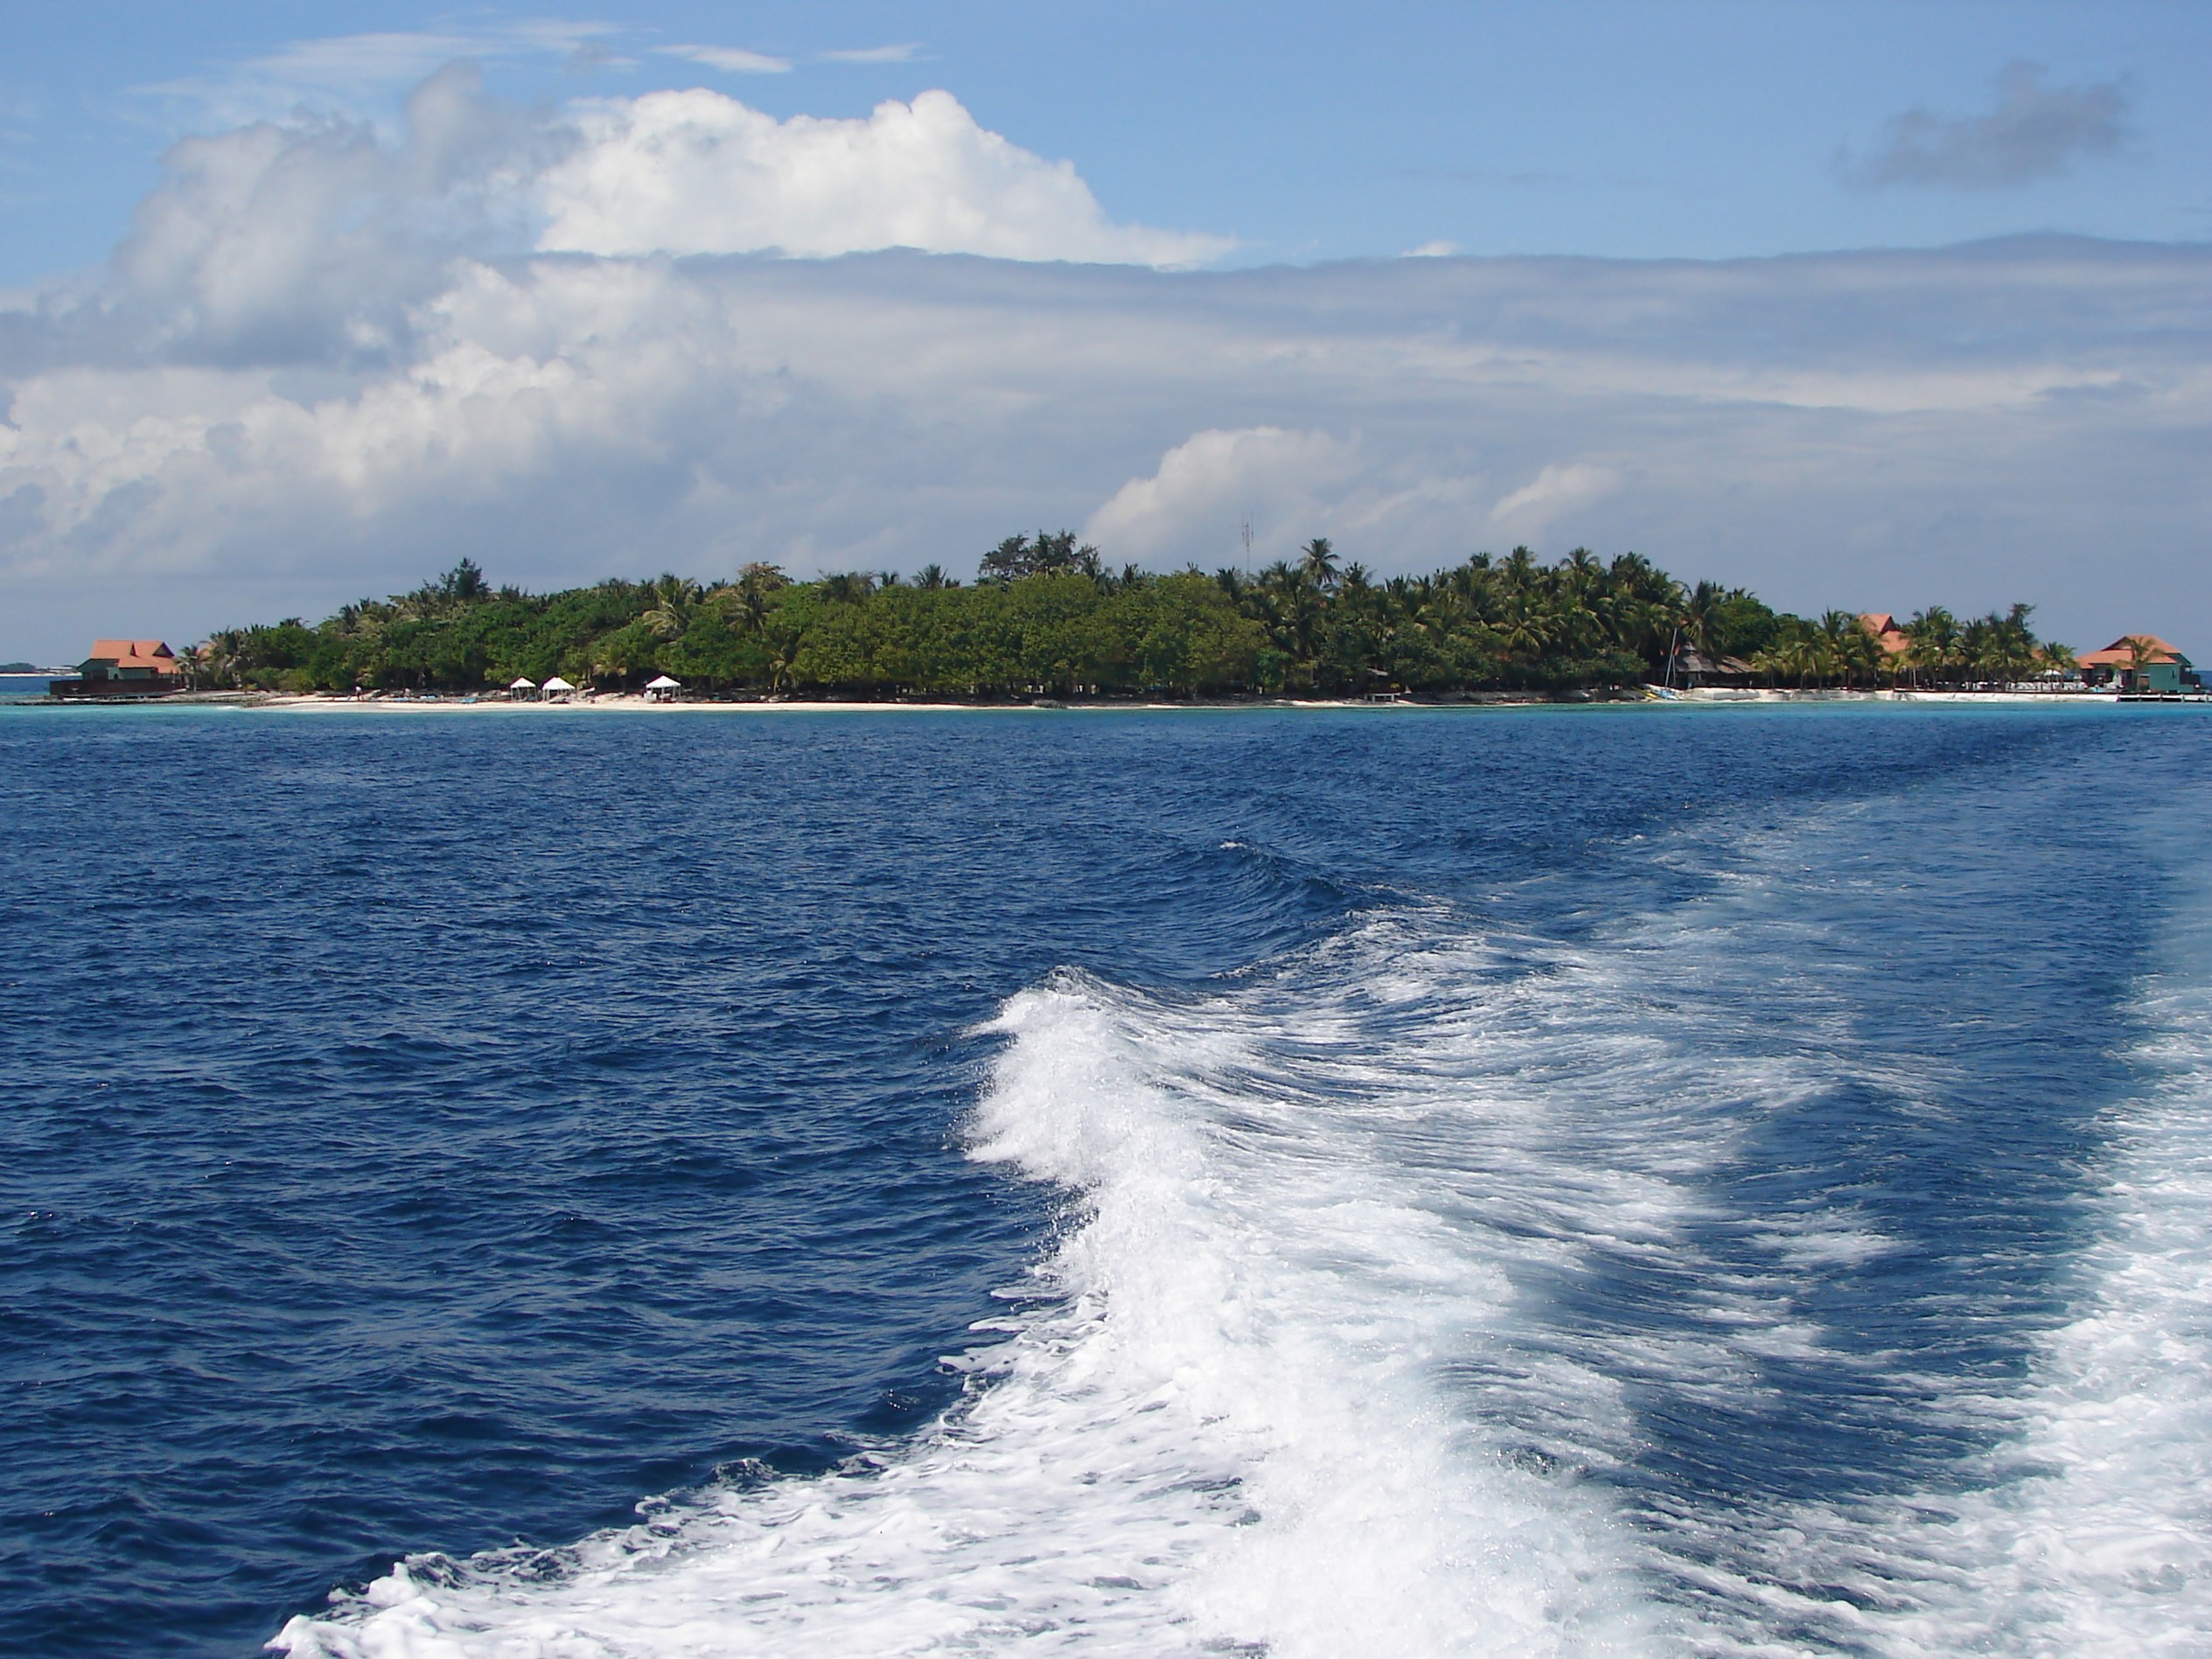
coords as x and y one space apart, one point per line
1871 305
1306 132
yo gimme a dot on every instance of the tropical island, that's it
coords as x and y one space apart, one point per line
1046 617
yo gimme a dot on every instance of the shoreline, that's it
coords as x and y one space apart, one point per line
631 702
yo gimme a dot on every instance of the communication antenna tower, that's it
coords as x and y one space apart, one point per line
1247 533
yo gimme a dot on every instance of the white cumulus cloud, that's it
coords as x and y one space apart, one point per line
696 172
1192 507
1555 492
311 238
1289 485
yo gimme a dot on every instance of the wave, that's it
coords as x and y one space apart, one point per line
1213 1422
2086 1529
1437 1290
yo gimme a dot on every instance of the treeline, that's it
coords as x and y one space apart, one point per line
1998 649
1046 617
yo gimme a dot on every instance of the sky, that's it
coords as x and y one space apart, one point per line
1863 305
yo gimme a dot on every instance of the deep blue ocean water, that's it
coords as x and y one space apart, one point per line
1662 1180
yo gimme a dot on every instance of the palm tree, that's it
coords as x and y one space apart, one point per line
1797 656
1934 642
1524 628
2142 652
784 642
1318 562
226 656
191 662
1575 621
1474 585
1298 608
1844 639
1701 617
1979 652
1633 573
931 579
1863 655
742 604
674 600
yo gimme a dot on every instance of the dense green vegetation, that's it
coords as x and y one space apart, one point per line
1046 617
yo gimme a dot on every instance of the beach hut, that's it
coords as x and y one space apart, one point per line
522 690
557 687
123 668
2140 665
662 689
1691 669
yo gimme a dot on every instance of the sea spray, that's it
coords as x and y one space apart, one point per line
1299 1312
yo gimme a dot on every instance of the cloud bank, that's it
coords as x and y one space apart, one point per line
2033 132
326 364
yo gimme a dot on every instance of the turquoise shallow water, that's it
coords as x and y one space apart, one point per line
1668 1180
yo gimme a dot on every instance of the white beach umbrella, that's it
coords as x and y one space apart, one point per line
664 683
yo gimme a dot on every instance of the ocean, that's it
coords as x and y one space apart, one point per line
1534 1181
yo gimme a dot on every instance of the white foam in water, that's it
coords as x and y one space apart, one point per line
1296 1379
1247 1413
2088 1530
2093 1534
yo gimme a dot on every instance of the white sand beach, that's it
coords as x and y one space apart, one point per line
631 702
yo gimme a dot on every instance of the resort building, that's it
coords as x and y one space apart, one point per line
1692 668
2142 663
123 668
1887 633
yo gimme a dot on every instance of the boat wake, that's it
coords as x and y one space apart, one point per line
1438 1290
